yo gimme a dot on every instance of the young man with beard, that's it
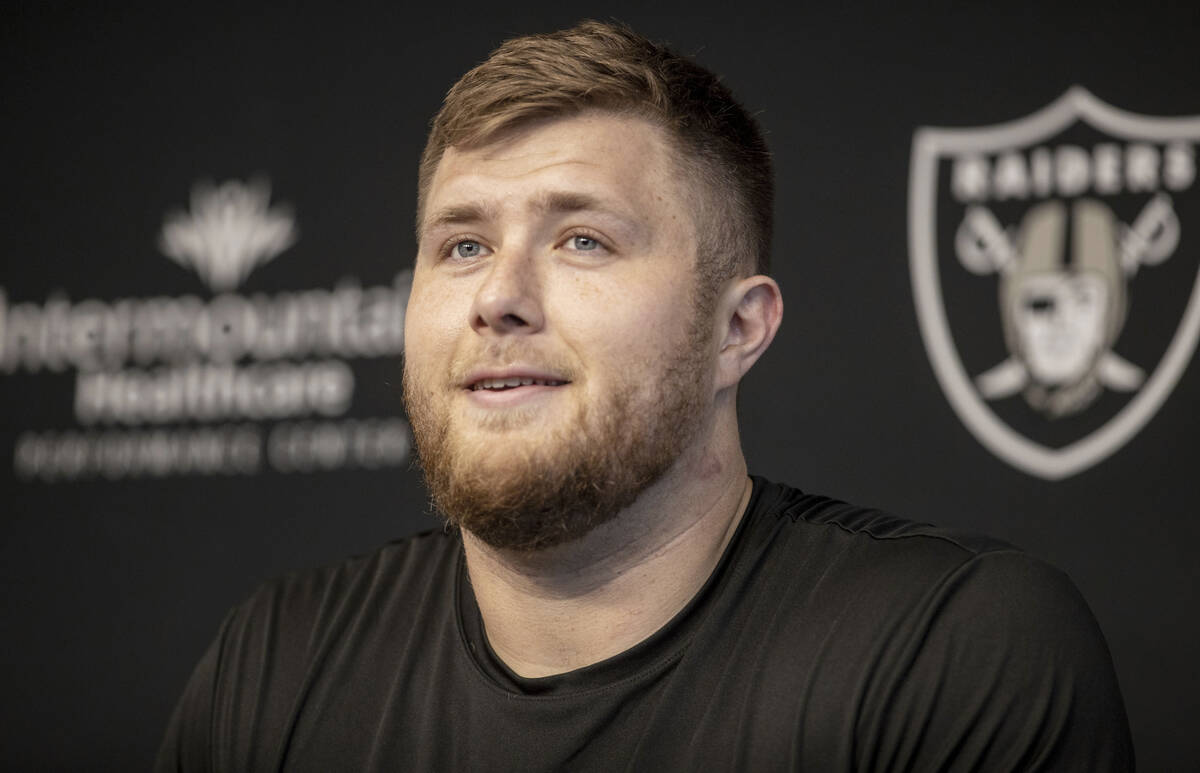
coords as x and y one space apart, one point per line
613 591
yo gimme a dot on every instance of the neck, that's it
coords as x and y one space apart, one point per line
567 607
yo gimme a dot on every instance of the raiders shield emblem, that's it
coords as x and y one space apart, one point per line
1055 265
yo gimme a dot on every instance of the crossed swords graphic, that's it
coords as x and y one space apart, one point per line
985 247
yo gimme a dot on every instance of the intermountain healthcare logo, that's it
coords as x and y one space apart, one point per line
1055 263
201 386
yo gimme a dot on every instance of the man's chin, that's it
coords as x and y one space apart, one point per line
528 490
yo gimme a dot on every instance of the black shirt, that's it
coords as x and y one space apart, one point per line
828 638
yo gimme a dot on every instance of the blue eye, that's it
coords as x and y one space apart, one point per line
466 249
584 243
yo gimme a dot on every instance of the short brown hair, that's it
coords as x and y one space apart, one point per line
596 65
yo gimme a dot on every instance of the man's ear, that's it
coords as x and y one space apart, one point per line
749 312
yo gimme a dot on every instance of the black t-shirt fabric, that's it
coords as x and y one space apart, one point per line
828 638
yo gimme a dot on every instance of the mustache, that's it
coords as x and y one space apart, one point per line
498 355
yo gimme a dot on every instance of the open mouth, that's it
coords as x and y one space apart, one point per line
512 382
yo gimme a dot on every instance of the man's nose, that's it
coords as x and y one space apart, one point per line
509 300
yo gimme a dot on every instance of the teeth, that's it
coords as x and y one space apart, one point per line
513 381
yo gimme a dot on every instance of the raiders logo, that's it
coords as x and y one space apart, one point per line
1055 263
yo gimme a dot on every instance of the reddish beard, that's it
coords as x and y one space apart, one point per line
533 495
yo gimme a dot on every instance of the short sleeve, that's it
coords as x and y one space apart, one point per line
1004 669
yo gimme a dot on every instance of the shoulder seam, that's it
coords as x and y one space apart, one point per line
800 514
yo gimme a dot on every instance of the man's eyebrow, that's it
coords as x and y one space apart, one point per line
564 202
552 202
555 202
459 213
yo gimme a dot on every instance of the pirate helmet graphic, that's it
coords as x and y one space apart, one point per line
1063 295
1063 301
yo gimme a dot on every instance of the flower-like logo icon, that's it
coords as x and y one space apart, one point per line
230 230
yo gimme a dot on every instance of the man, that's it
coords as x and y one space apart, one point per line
614 592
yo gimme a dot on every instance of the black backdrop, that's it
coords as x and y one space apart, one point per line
115 577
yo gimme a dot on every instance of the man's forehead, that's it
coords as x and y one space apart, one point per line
593 141
598 161
587 126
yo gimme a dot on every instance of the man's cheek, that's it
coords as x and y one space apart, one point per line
426 327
